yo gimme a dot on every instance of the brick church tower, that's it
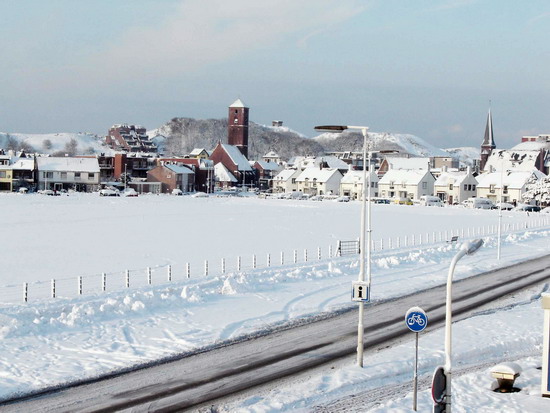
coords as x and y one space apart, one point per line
237 127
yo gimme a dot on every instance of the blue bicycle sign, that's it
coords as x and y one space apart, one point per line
416 319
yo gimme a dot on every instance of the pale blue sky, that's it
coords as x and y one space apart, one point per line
423 67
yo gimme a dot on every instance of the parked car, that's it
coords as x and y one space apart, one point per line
49 192
131 192
177 191
428 200
343 198
527 208
402 201
381 201
479 203
316 198
109 192
200 195
505 206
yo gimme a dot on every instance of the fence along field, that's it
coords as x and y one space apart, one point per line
161 274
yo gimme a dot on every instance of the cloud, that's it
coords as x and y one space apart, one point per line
201 32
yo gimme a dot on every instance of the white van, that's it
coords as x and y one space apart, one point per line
428 200
481 203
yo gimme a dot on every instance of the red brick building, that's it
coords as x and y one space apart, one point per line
237 126
173 177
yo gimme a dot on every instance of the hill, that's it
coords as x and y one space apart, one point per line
57 144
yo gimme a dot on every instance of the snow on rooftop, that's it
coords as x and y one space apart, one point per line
286 174
222 174
179 169
51 163
454 177
353 177
515 179
321 175
408 163
237 157
238 104
410 176
523 160
268 166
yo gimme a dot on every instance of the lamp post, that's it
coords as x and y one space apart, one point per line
361 278
467 248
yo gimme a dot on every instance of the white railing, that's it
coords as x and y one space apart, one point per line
162 274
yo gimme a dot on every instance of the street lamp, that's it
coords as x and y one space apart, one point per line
360 328
467 248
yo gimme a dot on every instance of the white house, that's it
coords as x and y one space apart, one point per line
80 174
352 184
316 181
285 181
455 186
406 183
224 178
513 184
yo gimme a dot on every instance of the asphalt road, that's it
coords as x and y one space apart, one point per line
184 384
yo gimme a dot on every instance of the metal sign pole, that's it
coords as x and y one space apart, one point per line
415 388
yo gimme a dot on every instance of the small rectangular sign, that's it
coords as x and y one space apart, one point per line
360 291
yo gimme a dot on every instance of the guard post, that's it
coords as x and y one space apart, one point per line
545 381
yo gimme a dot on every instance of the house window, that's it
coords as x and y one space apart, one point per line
91 176
492 188
505 189
48 175
77 176
293 180
451 187
2 174
424 185
391 184
169 176
63 175
314 182
473 187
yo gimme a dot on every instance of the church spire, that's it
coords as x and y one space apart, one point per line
488 141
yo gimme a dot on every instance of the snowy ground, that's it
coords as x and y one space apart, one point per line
47 342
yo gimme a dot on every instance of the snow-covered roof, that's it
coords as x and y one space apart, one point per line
23 164
237 157
269 166
222 174
356 177
238 104
286 174
321 175
520 160
406 176
303 162
271 154
408 163
454 177
531 146
515 179
67 164
197 151
179 169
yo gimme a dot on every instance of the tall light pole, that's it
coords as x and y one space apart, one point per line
500 212
362 249
468 248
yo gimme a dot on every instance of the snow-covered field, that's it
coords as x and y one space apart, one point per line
50 341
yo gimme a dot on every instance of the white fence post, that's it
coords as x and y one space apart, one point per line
205 268
282 258
398 242
389 243
295 256
339 248
149 277
330 251
169 273
268 259
188 270
103 282
381 243
319 253
223 265
420 239
26 292
127 279
406 241
79 285
238 263
53 288
254 261
305 255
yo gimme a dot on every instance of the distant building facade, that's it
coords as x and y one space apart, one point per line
130 138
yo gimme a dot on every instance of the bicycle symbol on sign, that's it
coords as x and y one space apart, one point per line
416 319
